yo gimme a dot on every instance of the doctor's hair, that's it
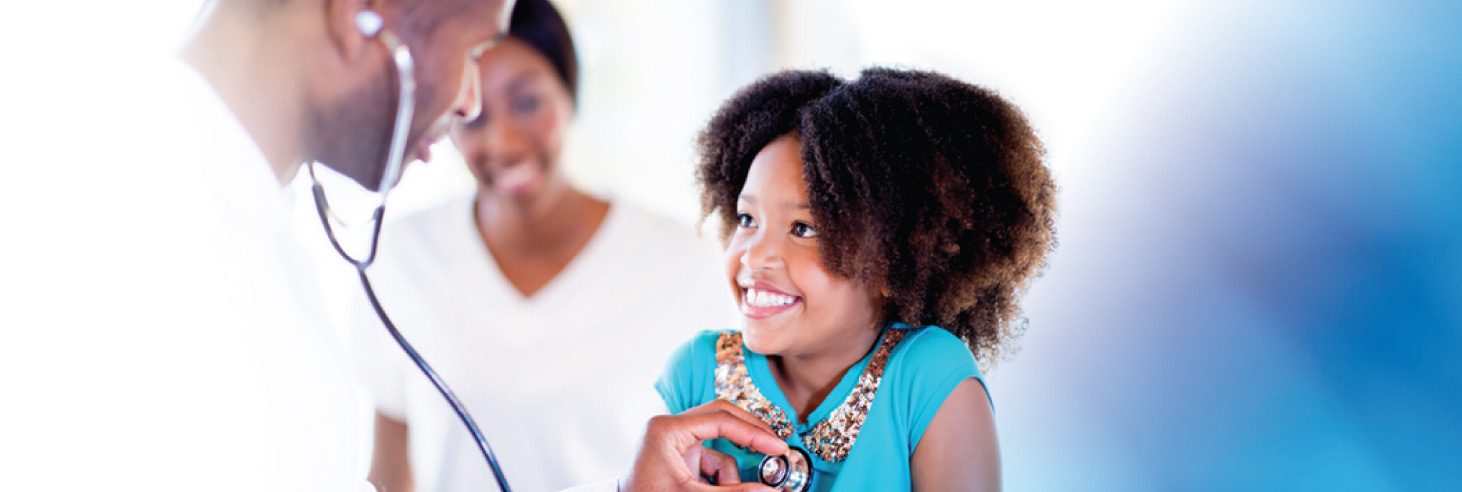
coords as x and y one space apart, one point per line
931 190
539 24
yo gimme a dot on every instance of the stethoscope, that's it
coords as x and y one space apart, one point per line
791 472
371 25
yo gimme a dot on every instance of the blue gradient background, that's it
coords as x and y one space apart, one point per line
1259 282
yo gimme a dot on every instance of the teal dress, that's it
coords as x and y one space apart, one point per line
919 370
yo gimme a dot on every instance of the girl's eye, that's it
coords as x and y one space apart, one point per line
525 104
745 221
803 230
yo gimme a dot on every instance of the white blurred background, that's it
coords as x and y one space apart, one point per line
1257 286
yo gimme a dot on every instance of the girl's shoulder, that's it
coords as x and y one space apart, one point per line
922 370
931 349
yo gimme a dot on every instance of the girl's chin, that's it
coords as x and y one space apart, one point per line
759 340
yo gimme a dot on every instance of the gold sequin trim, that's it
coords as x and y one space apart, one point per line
733 384
830 438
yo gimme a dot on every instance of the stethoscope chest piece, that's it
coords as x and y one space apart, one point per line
791 472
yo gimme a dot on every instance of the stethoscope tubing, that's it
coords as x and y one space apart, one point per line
405 67
437 381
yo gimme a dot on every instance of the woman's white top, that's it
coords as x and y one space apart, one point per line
562 382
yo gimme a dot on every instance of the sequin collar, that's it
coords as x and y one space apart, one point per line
830 438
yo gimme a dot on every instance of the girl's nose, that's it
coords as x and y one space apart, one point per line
761 253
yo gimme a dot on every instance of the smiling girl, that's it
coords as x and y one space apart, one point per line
879 235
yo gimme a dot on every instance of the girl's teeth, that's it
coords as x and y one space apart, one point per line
766 299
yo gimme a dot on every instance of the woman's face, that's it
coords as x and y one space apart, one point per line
790 303
513 146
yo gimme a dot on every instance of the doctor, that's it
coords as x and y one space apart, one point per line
302 81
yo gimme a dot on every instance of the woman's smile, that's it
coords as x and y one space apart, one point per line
517 178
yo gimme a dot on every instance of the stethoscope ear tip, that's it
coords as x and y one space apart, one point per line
369 22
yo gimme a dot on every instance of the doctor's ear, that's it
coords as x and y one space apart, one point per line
352 26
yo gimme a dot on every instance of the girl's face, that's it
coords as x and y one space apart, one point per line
792 305
513 146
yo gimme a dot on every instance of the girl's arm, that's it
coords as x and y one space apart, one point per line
958 452
390 467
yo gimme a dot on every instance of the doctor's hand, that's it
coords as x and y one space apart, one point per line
671 458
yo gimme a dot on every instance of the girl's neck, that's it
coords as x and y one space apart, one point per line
807 380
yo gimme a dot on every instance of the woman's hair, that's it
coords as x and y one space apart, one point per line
931 189
539 24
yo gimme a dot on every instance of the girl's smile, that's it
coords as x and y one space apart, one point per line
792 306
760 300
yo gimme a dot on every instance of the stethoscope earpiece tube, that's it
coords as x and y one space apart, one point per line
371 25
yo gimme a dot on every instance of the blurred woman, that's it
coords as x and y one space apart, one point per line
549 310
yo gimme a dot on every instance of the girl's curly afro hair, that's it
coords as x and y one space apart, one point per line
928 188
